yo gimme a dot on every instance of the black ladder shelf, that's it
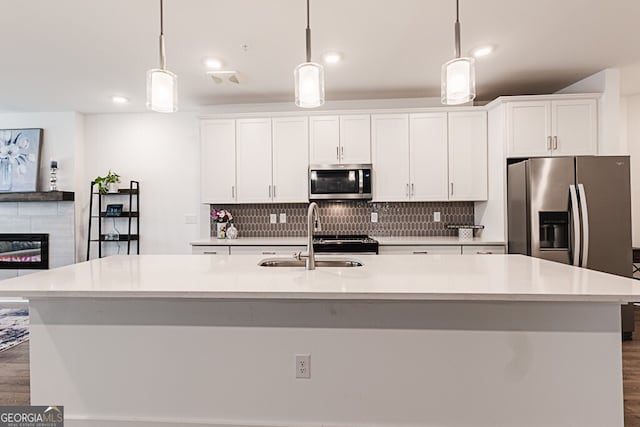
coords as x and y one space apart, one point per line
130 211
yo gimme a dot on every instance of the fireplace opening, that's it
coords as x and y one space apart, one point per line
24 251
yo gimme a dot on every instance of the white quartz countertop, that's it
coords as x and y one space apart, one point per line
301 241
389 277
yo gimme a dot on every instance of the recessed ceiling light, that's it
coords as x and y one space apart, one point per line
331 57
117 99
481 51
213 63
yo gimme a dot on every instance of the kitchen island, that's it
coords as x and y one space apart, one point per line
442 340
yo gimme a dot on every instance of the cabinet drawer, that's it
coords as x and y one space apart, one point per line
266 250
419 250
210 250
483 250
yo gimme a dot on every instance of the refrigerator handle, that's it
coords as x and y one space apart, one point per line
576 224
585 224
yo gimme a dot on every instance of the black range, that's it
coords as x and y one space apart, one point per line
344 243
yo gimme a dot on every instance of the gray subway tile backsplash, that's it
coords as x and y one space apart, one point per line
352 217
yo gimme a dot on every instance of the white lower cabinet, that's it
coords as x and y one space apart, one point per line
210 250
419 250
266 250
483 250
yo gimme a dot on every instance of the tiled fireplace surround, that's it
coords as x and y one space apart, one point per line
54 218
394 219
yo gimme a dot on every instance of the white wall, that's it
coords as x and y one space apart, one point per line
632 104
492 213
58 143
163 153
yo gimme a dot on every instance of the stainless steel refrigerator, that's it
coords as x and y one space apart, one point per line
574 210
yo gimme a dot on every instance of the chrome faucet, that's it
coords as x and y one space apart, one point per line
313 223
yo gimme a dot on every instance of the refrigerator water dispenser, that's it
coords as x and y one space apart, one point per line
554 230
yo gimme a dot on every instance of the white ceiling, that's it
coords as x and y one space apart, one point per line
60 55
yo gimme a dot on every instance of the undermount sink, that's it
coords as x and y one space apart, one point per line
292 262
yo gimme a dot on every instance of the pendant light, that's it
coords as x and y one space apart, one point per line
309 78
162 84
458 75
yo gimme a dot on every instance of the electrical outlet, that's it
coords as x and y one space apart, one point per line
436 217
303 366
283 218
374 216
273 218
190 219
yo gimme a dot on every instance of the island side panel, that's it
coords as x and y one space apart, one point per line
142 363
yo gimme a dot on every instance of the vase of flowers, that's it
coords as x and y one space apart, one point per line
221 219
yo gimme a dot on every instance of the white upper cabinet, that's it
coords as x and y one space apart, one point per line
428 156
423 156
290 159
253 160
574 127
468 155
552 127
355 139
529 128
218 161
390 157
340 139
324 139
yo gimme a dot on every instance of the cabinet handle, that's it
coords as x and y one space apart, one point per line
233 191
268 253
484 253
413 189
210 253
274 191
452 188
407 190
548 143
420 252
269 191
342 152
555 142
337 153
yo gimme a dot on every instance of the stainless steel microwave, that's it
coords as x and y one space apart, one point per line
340 182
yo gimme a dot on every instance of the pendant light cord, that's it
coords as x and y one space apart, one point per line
163 56
308 35
457 29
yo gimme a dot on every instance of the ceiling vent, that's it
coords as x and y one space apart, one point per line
220 76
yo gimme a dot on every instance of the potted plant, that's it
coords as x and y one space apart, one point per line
107 184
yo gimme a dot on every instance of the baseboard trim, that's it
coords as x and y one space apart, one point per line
80 421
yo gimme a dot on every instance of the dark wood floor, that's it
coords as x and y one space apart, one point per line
14 376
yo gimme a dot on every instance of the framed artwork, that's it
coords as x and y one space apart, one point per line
19 159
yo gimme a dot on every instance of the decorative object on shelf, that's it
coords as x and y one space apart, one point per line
53 176
19 159
458 84
467 232
114 209
309 78
107 184
162 84
232 231
221 218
